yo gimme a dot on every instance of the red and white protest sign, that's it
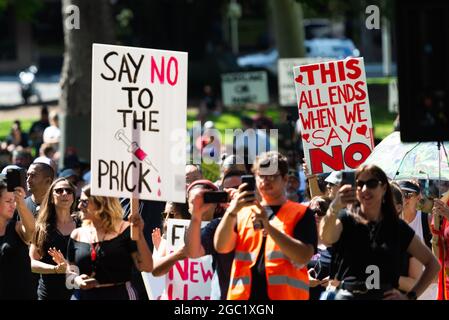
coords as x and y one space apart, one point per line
334 114
188 279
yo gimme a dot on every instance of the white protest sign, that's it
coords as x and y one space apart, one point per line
189 279
334 114
393 97
139 103
286 81
244 87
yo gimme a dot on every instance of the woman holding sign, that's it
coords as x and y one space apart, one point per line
370 239
101 252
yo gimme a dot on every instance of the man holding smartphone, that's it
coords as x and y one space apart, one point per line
269 264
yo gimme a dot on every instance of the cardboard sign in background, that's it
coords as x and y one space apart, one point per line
241 88
334 114
139 102
286 83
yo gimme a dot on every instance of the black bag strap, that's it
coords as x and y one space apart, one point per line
427 234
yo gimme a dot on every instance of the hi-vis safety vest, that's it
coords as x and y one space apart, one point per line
285 280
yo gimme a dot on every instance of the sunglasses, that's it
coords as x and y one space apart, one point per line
409 195
83 202
370 184
60 191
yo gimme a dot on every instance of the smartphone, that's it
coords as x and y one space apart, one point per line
251 181
348 177
216 197
15 178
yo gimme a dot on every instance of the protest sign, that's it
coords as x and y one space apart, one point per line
189 279
286 83
139 99
393 97
334 114
241 88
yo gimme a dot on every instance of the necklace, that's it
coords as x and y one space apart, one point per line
94 251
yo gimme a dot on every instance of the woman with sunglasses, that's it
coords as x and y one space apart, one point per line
15 271
369 240
101 253
54 225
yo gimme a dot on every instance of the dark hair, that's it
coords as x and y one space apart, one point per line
397 193
181 208
388 210
266 159
46 170
232 173
3 187
46 220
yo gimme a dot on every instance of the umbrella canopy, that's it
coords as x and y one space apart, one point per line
419 160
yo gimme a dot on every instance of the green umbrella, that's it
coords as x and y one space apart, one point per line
420 160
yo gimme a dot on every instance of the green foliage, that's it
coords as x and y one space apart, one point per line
210 171
24 9
5 127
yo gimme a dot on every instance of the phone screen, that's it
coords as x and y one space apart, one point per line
251 181
348 177
216 197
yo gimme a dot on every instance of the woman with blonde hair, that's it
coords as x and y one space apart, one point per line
101 252
53 228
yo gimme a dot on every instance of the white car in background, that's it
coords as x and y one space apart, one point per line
319 47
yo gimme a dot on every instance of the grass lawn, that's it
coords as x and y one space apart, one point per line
5 127
382 120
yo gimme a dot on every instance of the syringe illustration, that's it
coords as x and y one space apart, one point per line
134 148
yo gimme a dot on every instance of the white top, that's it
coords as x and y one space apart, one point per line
416 225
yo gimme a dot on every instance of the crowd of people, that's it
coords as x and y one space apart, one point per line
287 234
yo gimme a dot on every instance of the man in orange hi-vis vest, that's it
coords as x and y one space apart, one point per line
273 238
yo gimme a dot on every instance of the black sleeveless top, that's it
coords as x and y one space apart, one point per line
113 263
52 286
15 266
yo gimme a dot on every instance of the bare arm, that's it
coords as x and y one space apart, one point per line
431 266
38 266
193 246
330 226
225 237
414 271
143 258
25 227
163 265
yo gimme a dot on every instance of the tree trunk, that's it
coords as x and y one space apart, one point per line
95 26
289 29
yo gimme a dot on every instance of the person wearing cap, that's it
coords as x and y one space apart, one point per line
417 220
420 222
200 241
273 238
333 183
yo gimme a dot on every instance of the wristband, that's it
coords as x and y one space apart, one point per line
55 268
